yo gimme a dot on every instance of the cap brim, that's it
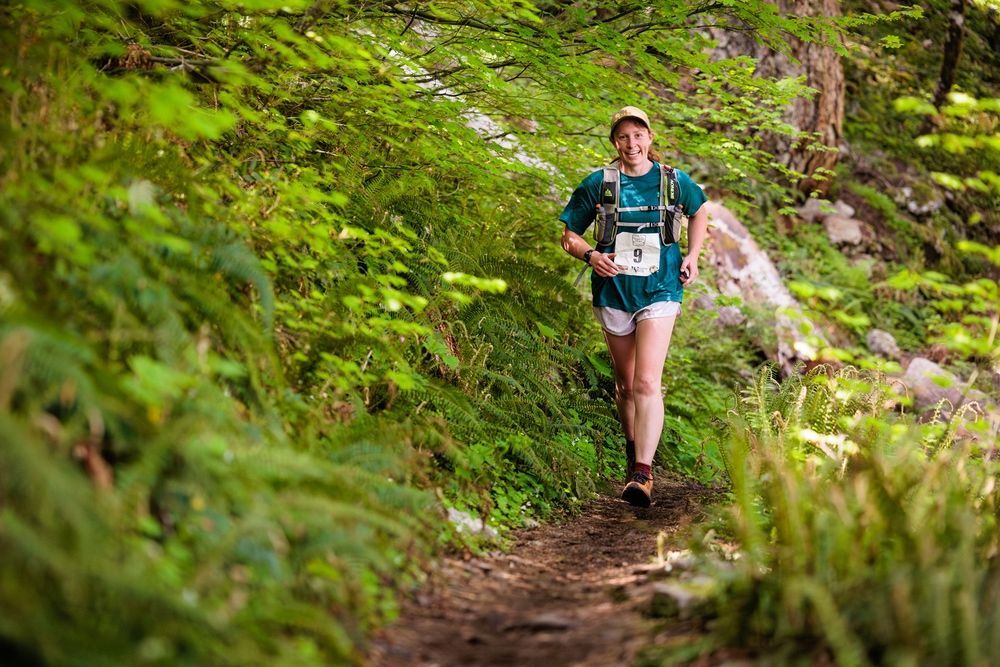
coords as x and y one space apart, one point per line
621 120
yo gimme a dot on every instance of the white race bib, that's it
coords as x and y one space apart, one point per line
637 254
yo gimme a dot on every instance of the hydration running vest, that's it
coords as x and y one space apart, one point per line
608 221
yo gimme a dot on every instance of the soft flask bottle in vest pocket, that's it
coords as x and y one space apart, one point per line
670 232
606 224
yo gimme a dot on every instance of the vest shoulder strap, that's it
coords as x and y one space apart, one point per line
670 191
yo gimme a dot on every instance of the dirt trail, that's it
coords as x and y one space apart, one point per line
566 594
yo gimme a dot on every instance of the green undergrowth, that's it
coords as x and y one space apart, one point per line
915 153
849 291
856 534
922 180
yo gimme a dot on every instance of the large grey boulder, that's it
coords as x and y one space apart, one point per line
744 270
473 525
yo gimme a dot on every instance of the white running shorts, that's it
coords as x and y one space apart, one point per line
622 323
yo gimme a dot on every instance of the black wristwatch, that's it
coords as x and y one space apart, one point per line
586 256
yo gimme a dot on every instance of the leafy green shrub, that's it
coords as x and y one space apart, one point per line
864 536
223 380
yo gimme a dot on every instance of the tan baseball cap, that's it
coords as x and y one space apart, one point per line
624 114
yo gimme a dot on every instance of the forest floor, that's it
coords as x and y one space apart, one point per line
572 593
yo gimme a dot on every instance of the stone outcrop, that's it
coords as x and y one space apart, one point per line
745 271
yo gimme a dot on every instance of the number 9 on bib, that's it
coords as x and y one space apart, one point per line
637 254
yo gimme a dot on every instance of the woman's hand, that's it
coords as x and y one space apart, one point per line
604 265
575 245
689 270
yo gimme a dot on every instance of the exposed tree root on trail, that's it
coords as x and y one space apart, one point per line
566 594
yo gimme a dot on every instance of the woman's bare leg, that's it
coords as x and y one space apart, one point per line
622 349
652 341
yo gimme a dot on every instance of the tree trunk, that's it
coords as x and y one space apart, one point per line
821 117
952 51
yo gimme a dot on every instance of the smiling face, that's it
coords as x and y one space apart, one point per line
632 140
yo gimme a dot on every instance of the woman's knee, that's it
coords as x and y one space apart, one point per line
646 387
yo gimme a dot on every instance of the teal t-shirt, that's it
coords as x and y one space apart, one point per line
630 292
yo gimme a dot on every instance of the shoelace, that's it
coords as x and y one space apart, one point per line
640 477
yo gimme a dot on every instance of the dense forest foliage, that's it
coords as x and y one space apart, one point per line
281 284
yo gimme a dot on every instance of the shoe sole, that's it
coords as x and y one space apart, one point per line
635 496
